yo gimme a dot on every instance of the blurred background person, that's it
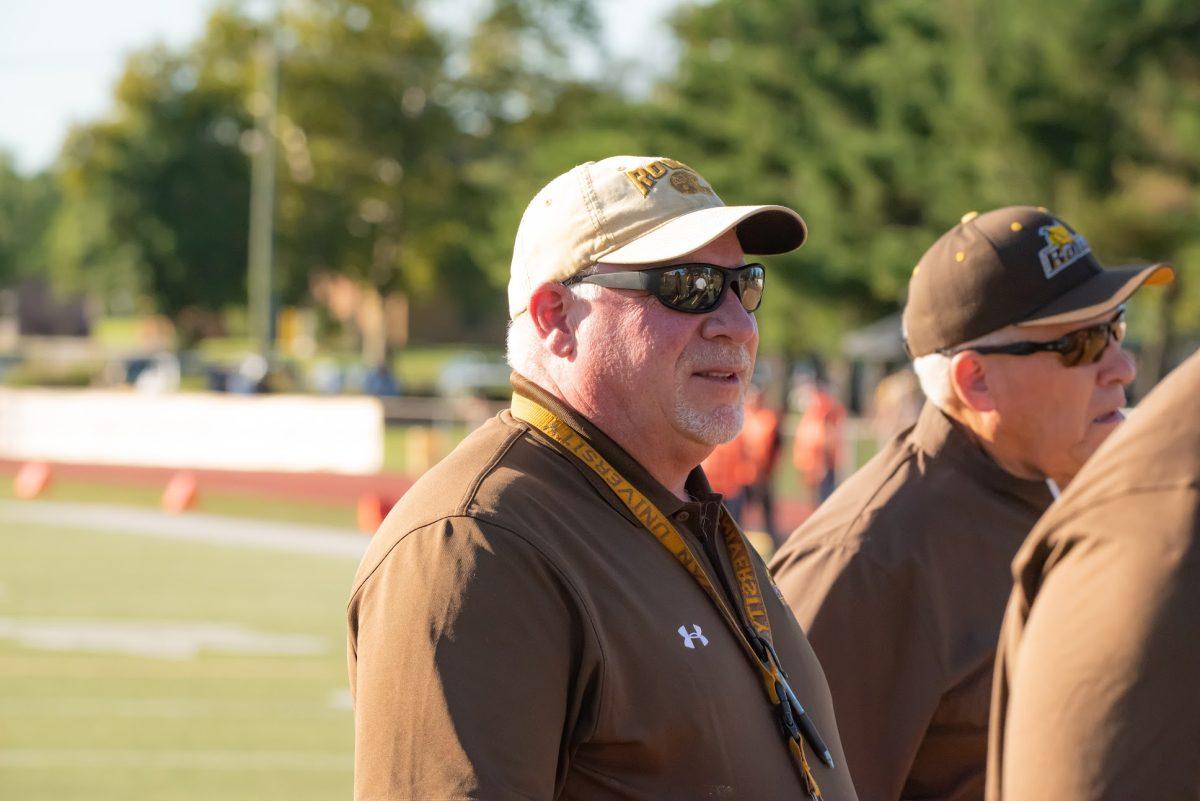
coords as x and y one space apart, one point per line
818 444
381 382
895 404
763 443
730 470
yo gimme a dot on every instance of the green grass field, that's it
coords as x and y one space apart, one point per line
102 698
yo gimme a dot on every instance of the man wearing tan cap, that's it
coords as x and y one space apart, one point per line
562 609
900 578
1096 695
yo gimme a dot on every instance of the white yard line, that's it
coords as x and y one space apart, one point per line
156 639
54 758
213 529
335 705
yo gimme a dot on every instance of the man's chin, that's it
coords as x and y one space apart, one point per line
712 427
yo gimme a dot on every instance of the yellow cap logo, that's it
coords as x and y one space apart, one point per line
683 178
1057 235
1063 248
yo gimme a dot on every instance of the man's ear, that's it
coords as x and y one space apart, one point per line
969 378
550 307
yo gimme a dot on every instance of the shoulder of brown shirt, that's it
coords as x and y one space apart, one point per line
497 477
900 506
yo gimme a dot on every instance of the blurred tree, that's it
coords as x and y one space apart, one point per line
156 196
407 155
884 122
1111 97
373 182
523 75
519 58
875 120
26 205
388 159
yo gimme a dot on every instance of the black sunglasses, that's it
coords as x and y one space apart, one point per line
693 288
1083 346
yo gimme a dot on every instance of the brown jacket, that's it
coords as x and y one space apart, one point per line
899 581
1097 693
516 634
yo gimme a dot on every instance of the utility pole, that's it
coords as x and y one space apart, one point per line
264 105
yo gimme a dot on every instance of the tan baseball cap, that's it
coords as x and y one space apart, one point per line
635 210
1018 265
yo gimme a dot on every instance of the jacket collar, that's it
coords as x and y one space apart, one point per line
941 437
666 501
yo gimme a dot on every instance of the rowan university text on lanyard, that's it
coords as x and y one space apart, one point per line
756 642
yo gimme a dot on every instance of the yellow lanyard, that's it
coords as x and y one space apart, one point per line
796 725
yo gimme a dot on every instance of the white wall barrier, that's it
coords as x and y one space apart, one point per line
202 430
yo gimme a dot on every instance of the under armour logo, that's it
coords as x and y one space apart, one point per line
695 634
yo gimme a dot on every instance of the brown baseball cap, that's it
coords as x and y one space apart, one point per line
633 210
1018 265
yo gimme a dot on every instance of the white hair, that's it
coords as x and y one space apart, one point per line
933 369
524 351
521 344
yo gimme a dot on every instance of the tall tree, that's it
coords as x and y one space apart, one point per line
884 122
156 194
875 120
374 181
520 77
1111 95
26 206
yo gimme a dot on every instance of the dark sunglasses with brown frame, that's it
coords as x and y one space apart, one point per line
1082 346
693 288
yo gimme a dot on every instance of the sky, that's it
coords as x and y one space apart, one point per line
60 58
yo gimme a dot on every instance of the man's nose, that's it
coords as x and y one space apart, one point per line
1116 366
730 320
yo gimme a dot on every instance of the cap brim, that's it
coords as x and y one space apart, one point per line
1106 290
762 230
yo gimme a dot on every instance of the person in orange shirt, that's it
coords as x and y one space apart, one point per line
817 450
762 441
729 472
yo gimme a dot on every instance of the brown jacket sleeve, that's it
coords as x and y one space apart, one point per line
1103 699
473 668
867 629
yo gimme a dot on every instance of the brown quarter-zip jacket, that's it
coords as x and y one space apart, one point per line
900 580
516 634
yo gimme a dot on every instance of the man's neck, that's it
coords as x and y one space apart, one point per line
656 458
984 435
660 456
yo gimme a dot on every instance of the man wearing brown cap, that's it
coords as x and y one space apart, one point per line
562 608
1096 695
900 578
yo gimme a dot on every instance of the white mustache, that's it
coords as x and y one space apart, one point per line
736 359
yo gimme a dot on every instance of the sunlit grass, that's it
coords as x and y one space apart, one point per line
108 725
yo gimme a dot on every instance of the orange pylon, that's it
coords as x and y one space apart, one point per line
180 494
372 509
31 480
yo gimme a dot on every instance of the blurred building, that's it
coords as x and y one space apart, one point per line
39 311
